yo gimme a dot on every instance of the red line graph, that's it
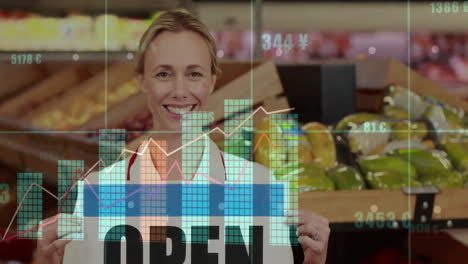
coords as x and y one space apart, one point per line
151 141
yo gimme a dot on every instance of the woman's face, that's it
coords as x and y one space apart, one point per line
177 77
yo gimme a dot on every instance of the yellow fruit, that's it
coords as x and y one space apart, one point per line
357 118
304 152
323 146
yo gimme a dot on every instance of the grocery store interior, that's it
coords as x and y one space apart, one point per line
377 92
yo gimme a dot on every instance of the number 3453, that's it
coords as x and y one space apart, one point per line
380 219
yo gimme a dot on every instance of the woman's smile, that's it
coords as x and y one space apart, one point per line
176 111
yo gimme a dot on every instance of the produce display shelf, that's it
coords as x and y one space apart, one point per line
390 209
374 210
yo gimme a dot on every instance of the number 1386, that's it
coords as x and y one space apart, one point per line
447 7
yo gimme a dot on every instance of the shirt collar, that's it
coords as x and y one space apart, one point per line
211 163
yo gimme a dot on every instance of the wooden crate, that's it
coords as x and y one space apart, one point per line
41 151
63 79
116 115
373 75
262 82
341 206
18 77
115 75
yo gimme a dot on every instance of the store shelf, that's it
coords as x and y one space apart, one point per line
71 56
344 209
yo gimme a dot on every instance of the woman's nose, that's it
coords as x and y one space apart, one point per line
180 88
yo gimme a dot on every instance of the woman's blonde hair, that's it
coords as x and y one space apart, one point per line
175 21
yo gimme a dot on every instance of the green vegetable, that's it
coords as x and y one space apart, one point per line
465 177
309 176
387 164
454 120
388 180
424 161
433 168
443 179
313 178
458 154
288 171
315 183
346 178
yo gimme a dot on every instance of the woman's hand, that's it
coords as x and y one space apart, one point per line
51 248
313 233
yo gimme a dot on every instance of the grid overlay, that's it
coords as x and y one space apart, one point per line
196 194
154 196
30 213
112 184
67 169
251 88
238 201
283 141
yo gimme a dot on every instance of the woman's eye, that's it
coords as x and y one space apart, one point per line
195 75
163 75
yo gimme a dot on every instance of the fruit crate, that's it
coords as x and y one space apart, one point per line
56 84
82 102
18 77
21 147
374 75
420 210
389 209
41 151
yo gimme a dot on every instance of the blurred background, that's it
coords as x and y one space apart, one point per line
66 71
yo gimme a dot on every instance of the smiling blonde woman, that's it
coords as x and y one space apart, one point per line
177 68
